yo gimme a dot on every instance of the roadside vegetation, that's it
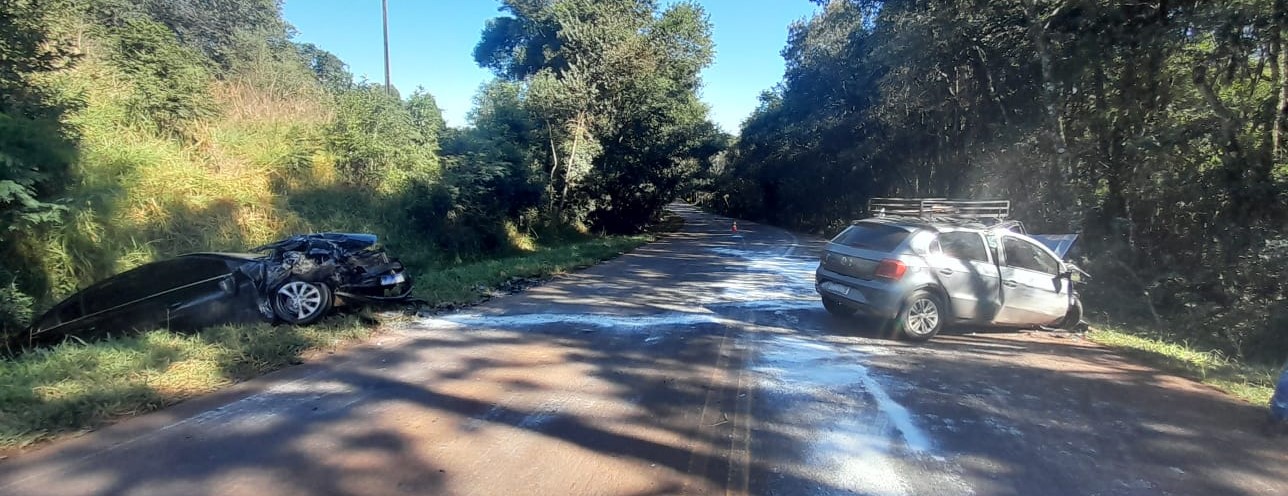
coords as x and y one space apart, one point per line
1156 130
132 131
76 385
1250 382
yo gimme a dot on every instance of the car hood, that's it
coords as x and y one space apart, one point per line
348 241
344 241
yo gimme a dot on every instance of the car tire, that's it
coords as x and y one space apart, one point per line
299 302
1074 317
837 309
922 317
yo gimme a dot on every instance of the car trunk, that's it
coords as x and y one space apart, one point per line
859 249
853 265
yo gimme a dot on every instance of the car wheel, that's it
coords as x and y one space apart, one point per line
922 316
301 303
837 309
1073 317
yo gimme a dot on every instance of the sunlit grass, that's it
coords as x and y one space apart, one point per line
1253 383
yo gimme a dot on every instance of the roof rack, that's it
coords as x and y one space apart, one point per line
940 208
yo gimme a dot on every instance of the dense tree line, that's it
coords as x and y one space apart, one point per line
607 95
1155 128
136 130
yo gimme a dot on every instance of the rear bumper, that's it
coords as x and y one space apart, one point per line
875 298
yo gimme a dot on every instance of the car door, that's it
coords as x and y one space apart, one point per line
192 288
961 262
150 296
1032 291
118 303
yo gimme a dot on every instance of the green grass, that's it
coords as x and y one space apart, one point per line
1253 383
77 386
467 283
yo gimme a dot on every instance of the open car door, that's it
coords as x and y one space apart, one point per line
1058 243
1033 293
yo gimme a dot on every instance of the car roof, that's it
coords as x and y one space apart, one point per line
1057 245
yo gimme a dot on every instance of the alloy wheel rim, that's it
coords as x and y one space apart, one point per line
923 317
300 298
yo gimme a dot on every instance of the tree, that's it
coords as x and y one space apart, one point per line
170 80
213 26
35 151
426 117
612 85
377 142
332 72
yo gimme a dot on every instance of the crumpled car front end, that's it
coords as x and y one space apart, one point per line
349 264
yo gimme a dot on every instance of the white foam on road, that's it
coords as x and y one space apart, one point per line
805 365
799 275
854 444
914 438
762 282
848 450
598 320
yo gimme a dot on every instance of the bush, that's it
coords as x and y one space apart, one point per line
34 161
375 141
171 82
15 309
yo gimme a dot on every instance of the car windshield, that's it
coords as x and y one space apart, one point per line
872 236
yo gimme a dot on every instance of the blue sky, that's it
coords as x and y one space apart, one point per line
432 44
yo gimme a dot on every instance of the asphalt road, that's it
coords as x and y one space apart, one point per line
702 363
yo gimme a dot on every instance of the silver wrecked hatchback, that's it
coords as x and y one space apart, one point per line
923 264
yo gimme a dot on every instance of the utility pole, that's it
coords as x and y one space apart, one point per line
384 15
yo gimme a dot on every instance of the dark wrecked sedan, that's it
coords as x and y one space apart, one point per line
297 280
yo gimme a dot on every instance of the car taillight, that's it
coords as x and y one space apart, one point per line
891 269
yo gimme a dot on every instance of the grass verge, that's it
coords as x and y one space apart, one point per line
1253 383
469 283
77 386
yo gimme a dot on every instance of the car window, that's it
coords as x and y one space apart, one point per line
150 279
871 236
120 289
190 269
963 245
1025 255
70 310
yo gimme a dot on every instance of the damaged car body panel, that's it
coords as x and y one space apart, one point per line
298 281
